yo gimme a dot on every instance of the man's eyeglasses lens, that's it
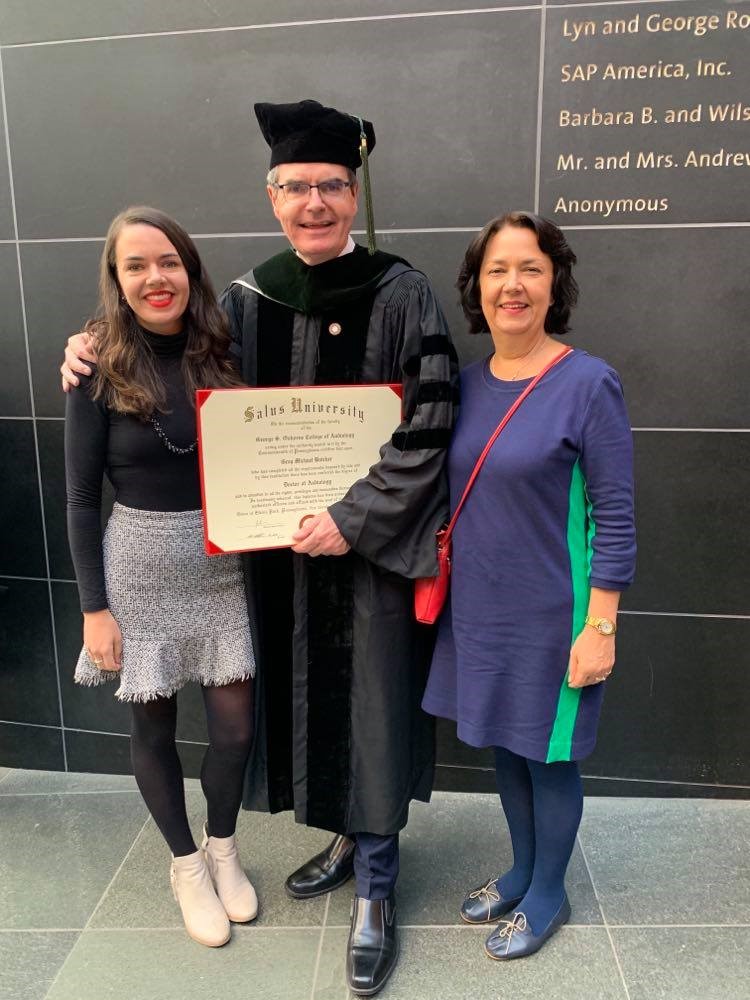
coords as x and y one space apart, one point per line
326 189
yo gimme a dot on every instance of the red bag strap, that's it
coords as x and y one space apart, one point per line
495 434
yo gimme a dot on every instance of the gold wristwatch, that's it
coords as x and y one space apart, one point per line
604 626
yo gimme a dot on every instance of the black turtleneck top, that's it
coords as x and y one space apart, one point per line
145 473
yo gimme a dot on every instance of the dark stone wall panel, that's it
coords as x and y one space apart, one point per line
692 514
629 787
60 289
52 460
98 753
22 549
669 310
197 152
668 715
672 707
669 88
28 682
439 255
7 231
14 384
457 779
226 259
38 20
454 99
450 750
94 708
103 754
33 747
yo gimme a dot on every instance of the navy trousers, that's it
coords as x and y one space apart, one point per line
375 864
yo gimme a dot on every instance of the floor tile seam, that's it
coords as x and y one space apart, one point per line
179 929
687 927
314 928
94 911
636 781
616 957
41 930
77 729
126 736
36 795
117 872
63 964
587 866
618 963
475 928
319 953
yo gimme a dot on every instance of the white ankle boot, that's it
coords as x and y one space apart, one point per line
232 885
204 916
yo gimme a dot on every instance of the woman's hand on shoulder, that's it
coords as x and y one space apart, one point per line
592 657
102 639
79 350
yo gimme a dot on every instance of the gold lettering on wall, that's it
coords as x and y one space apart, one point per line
648 108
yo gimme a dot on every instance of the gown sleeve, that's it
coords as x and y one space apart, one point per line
391 515
607 466
86 435
231 302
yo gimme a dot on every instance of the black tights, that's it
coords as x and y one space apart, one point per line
157 768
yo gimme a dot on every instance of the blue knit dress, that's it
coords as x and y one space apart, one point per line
550 515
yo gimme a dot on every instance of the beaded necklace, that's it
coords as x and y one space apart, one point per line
170 445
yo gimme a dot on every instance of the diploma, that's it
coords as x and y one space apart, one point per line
269 458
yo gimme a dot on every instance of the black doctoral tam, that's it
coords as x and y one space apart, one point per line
309 132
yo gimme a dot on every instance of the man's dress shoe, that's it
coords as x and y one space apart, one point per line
325 872
372 949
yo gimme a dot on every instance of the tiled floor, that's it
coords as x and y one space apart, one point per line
660 891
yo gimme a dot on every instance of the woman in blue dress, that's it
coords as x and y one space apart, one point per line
542 550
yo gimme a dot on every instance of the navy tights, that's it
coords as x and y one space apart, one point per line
157 768
542 805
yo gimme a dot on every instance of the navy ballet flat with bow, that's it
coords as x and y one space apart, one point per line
514 938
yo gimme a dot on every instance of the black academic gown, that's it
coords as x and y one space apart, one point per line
342 664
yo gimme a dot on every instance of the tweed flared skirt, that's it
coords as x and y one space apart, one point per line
183 615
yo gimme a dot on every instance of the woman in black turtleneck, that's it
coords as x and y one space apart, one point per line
157 611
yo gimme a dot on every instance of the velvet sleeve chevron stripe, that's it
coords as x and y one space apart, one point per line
392 514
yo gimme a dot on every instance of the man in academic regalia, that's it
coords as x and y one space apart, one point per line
341 738
340 735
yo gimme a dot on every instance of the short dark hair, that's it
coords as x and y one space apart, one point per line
551 241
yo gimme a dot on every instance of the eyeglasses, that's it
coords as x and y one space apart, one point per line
298 190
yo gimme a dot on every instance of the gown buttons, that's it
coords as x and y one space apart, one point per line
334 329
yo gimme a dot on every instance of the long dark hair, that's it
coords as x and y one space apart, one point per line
552 242
126 378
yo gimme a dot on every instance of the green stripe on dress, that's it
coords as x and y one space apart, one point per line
581 531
